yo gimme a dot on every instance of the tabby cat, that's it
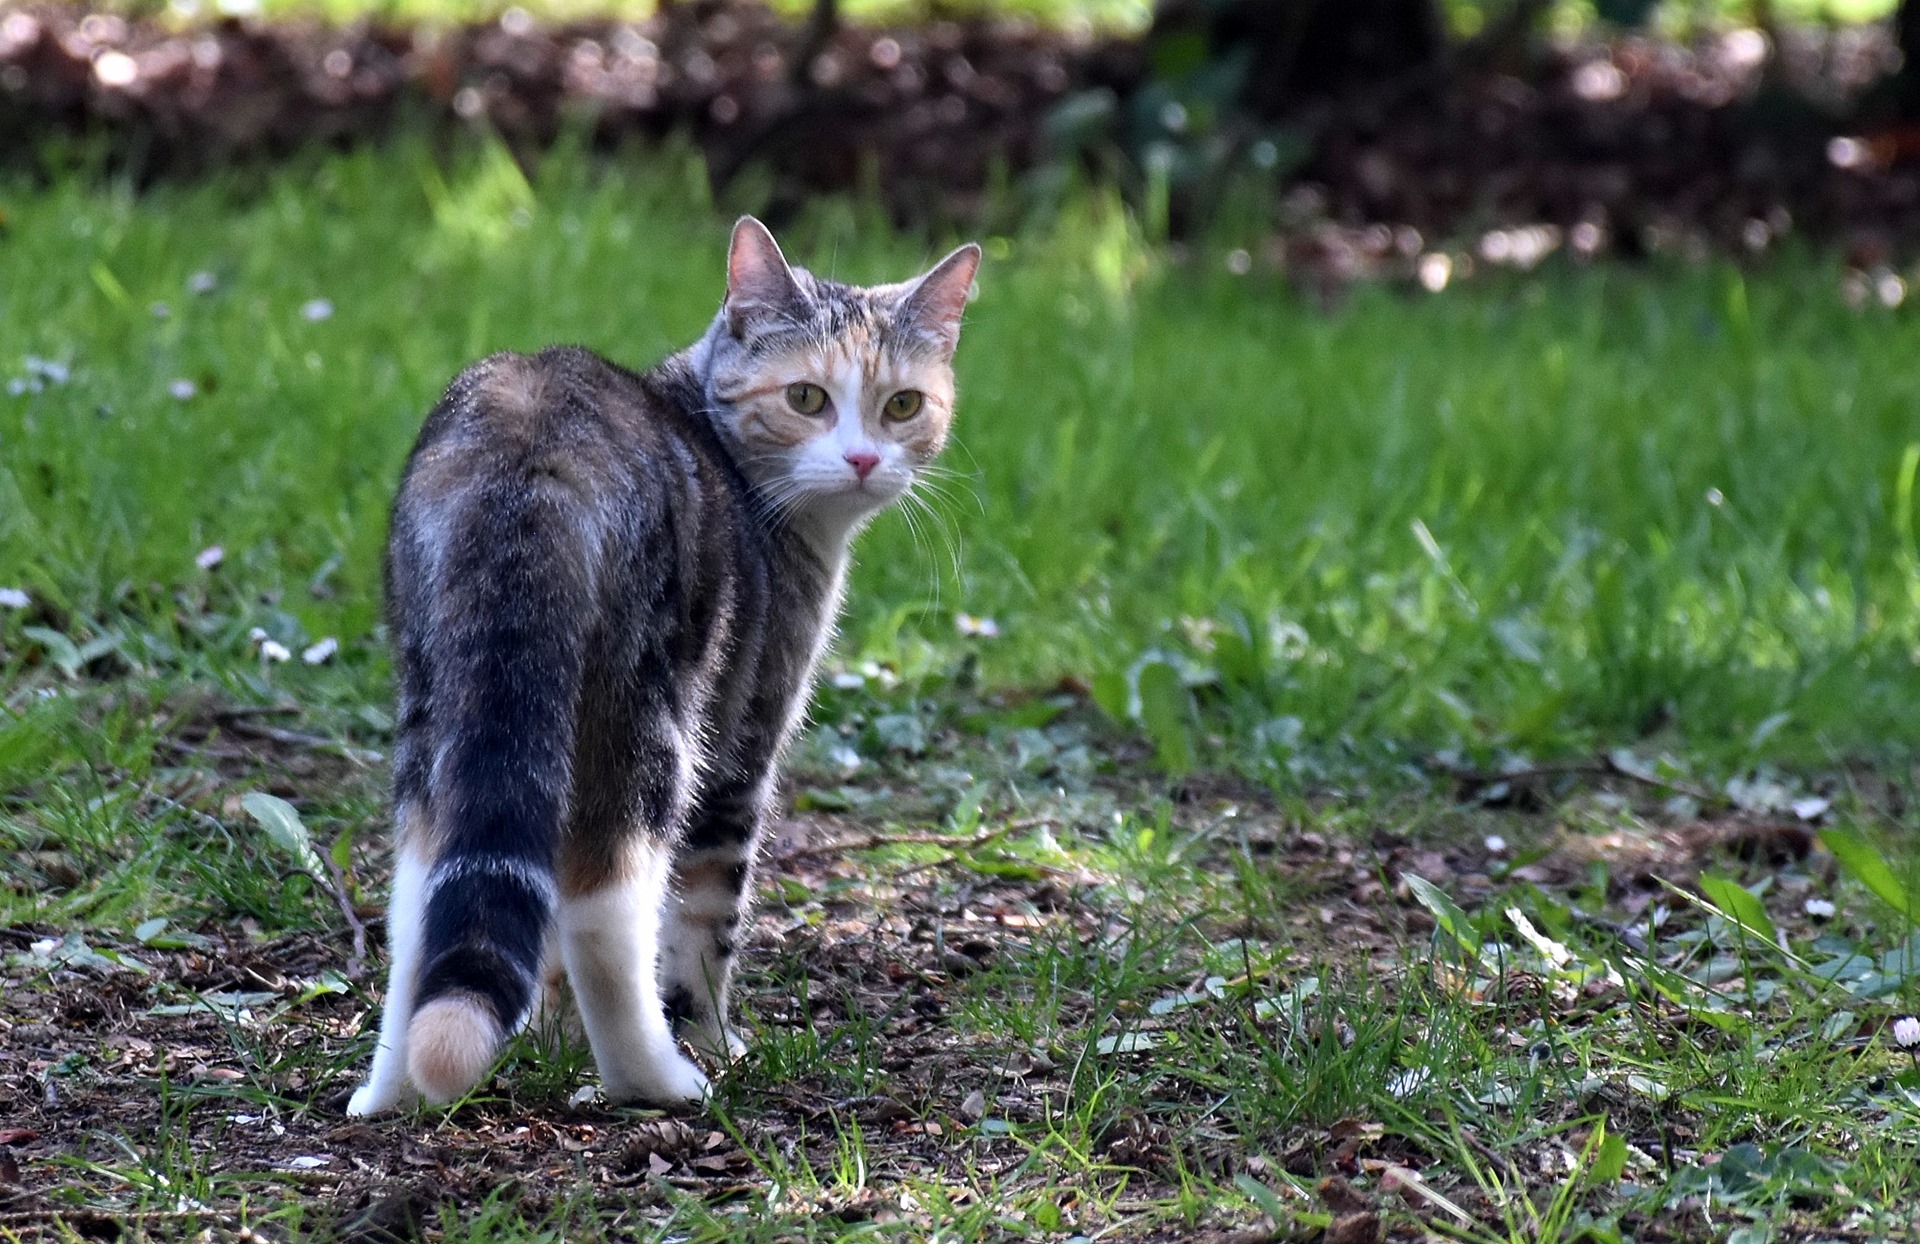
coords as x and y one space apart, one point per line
607 593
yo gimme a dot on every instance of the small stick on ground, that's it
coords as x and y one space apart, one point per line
1578 768
953 842
294 738
357 961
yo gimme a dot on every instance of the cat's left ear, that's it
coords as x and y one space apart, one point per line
934 305
759 283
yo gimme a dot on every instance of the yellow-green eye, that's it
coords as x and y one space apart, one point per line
903 405
806 398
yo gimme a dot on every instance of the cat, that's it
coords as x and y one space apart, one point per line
607 594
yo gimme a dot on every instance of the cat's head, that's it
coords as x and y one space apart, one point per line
834 397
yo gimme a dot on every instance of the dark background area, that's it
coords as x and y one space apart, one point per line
1302 122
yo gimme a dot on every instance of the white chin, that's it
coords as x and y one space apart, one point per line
858 496
850 505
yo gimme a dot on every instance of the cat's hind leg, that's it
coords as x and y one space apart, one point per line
553 1021
387 1085
712 874
610 937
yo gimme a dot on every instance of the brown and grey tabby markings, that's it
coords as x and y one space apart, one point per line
607 593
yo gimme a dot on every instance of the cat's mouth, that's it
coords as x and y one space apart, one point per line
865 492
879 486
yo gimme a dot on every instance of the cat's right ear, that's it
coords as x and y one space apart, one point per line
759 283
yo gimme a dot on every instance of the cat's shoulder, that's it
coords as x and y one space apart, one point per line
520 395
564 412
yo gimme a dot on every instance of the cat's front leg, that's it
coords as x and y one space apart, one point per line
712 874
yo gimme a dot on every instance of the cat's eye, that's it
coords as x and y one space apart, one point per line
903 405
808 399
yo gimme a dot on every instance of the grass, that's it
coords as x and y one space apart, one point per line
1588 507
1188 898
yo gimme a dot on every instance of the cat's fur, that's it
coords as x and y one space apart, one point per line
607 593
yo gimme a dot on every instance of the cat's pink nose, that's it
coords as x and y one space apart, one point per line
862 462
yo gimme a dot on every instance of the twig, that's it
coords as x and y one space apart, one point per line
357 961
942 861
952 842
202 819
210 753
1578 768
294 738
974 844
67 1216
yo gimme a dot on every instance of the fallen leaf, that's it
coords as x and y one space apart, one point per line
1340 1195
1362 1228
1127 1043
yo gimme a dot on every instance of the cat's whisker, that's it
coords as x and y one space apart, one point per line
935 475
910 505
946 503
920 551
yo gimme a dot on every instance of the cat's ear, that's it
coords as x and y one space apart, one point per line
759 283
934 305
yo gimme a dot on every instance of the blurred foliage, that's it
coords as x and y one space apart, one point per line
1466 17
1192 139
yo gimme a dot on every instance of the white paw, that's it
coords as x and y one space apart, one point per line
366 1100
670 1078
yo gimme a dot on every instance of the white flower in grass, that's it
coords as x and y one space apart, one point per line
203 283
210 557
274 650
1496 845
14 598
48 370
317 309
257 635
1906 1032
183 389
322 652
873 671
972 627
1819 908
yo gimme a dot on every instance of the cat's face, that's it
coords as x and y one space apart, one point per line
835 397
